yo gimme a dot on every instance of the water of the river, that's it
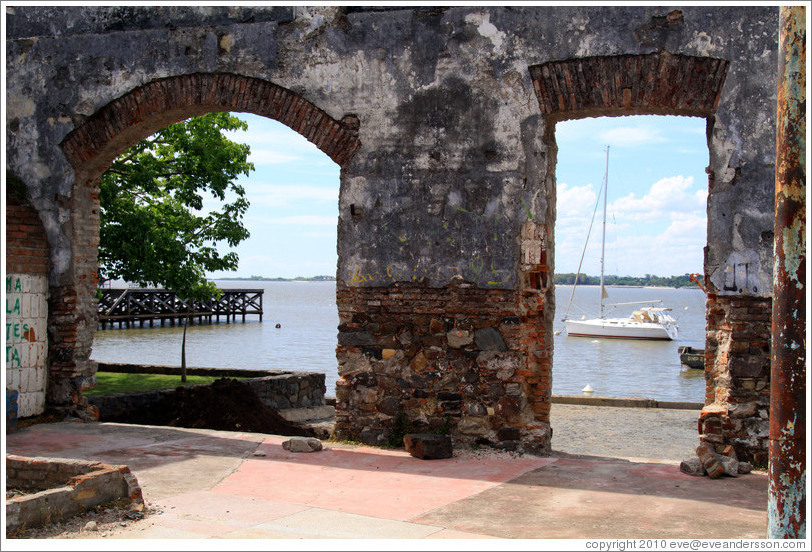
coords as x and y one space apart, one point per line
306 341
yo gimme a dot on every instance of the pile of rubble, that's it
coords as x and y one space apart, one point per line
709 462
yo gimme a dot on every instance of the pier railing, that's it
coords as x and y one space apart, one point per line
131 305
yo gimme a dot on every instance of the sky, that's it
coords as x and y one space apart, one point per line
656 214
657 195
293 192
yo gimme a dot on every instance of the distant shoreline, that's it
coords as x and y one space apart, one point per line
628 282
325 279
629 286
263 279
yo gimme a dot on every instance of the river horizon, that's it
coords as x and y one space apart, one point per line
305 340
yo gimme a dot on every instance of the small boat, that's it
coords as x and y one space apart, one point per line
693 358
653 323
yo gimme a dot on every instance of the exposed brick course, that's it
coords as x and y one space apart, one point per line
737 374
27 247
164 101
610 85
453 357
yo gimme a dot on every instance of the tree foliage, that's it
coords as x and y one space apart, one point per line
568 278
155 227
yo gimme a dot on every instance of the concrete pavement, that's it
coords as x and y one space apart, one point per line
208 484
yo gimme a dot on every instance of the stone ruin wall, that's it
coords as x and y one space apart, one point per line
737 371
444 131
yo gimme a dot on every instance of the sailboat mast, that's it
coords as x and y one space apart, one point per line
603 236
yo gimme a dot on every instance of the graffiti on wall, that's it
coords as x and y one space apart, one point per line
26 347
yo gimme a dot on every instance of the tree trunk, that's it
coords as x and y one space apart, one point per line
183 349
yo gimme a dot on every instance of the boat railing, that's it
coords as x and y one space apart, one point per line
636 303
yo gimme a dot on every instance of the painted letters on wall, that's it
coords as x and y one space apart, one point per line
26 340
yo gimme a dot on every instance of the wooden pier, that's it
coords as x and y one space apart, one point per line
134 305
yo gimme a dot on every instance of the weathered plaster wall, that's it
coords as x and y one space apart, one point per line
454 176
443 90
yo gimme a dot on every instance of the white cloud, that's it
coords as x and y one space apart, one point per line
574 199
685 229
667 198
273 143
574 208
662 232
673 252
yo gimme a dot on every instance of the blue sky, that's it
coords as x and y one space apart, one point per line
293 215
656 214
657 201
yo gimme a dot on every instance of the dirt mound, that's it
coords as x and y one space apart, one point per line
227 404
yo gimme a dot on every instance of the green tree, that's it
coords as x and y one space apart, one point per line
155 229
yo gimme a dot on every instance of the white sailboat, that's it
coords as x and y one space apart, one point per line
653 323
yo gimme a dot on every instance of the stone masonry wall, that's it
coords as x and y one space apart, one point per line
63 487
443 122
437 358
26 303
737 374
279 390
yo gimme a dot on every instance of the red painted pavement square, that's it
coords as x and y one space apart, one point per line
382 483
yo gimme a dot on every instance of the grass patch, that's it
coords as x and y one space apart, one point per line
110 383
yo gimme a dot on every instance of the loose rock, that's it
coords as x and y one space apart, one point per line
730 452
428 446
730 465
302 444
692 466
710 461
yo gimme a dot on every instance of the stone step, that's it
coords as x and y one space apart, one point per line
322 428
298 415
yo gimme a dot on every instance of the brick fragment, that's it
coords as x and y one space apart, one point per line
709 461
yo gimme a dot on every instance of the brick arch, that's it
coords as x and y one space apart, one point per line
92 146
649 84
159 103
667 84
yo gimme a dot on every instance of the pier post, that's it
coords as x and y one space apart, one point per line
151 308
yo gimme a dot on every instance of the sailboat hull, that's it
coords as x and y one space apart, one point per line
620 328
